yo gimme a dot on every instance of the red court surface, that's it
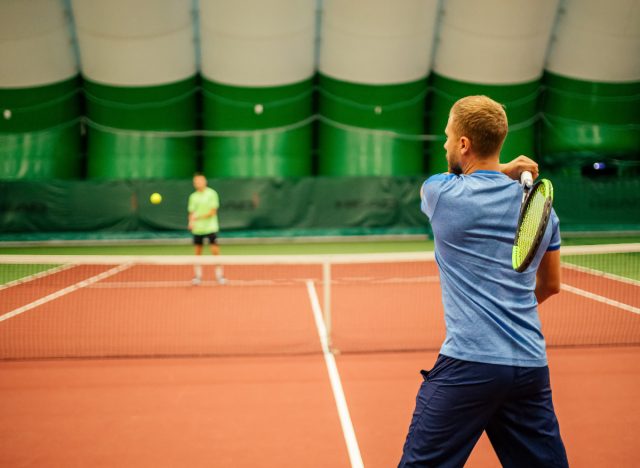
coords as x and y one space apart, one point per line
169 413
273 411
278 412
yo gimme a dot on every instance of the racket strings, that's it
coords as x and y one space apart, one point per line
529 228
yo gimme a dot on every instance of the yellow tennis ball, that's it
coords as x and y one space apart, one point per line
155 198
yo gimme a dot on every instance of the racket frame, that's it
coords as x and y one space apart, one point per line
542 225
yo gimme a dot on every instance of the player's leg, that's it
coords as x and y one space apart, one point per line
525 431
215 250
198 240
453 406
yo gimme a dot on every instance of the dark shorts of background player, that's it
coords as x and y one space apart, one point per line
460 399
198 239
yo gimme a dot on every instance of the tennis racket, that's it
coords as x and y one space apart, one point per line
535 211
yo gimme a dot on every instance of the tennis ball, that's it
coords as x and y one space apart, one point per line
155 198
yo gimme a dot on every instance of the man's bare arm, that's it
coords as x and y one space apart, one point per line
515 167
548 276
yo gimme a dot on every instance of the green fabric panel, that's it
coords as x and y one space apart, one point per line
40 107
401 105
282 145
163 107
521 105
229 107
40 132
357 153
567 143
596 204
66 206
139 156
391 113
262 154
367 202
590 101
41 155
586 121
126 125
308 203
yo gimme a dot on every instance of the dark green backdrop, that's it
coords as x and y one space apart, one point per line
313 203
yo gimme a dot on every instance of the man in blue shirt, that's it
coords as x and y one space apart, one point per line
492 371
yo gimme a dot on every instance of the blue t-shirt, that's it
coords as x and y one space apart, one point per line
490 310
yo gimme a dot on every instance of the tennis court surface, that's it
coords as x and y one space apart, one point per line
294 361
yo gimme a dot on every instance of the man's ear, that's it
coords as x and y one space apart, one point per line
465 145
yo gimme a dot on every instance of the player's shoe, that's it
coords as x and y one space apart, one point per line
196 281
221 280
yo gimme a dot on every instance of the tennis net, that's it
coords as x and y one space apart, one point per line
127 306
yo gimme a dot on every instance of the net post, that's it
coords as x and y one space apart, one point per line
326 291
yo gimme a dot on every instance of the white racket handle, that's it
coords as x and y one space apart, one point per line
526 179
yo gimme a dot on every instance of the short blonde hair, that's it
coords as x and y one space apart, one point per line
483 121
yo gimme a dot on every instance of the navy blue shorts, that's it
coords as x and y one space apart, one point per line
460 399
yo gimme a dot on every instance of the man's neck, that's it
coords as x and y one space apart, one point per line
491 163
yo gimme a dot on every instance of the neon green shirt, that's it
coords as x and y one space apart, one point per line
201 203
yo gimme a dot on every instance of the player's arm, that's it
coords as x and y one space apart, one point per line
191 208
191 211
517 166
213 202
548 276
208 214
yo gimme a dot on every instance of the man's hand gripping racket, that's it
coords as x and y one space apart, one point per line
535 211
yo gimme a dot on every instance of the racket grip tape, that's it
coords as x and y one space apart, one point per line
526 179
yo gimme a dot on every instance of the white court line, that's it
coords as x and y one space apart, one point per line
594 272
62 292
604 300
40 274
338 393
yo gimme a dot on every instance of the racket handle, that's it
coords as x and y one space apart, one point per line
526 179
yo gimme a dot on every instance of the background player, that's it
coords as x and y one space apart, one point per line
203 222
